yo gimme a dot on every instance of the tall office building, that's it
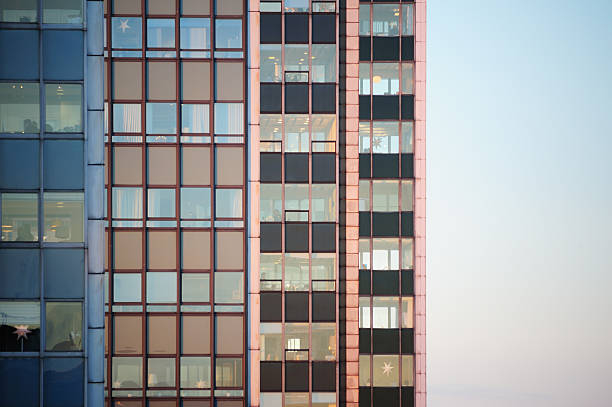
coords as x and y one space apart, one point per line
263 205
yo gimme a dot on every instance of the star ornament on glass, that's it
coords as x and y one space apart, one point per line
387 368
124 25
22 331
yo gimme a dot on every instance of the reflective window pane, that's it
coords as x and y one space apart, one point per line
408 312
385 254
228 372
323 63
20 324
364 254
408 370
161 372
161 334
407 19
229 335
364 78
385 196
296 272
195 334
128 334
270 205
364 370
385 19
127 203
364 312
385 312
296 133
126 118
270 335
228 203
364 137
385 137
62 12
296 58
228 33
385 78
127 32
19 108
161 118
61 374
126 287
229 118
407 195
195 33
324 341
270 266
407 137
23 11
294 6
323 266
229 287
64 216
19 217
195 372
407 254
64 108
126 372
195 287
161 203
161 287
323 202
64 326
160 33
386 370
271 68
364 19
195 118
364 196
195 203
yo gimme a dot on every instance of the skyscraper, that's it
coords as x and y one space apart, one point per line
263 213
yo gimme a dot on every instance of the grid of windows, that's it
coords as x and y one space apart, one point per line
175 176
386 204
298 203
42 204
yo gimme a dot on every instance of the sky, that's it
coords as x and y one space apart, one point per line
519 146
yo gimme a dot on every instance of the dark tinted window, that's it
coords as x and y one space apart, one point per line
385 282
21 48
63 164
63 382
407 396
296 307
386 48
270 239
407 282
407 166
323 376
385 107
270 28
270 167
323 237
364 107
271 307
296 28
296 376
324 307
19 163
364 282
364 48
62 265
20 379
385 341
296 167
324 28
365 394
407 48
365 340
364 224
407 107
407 340
296 98
385 165
323 167
323 98
385 396
20 277
407 224
270 98
385 224
271 376
364 165
63 54
296 237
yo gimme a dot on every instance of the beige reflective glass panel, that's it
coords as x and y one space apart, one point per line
127 247
324 341
196 166
229 166
127 165
385 370
128 334
407 193
161 165
385 196
230 249
160 81
162 334
229 80
64 216
195 336
296 400
364 370
229 7
196 250
407 370
126 6
162 250
161 372
195 373
407 78
229 333
408 312
127 80
270 341
161 7
407 254
195 7
195 81
127 372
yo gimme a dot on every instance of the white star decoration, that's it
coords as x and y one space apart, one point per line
387 369
124 25
22 331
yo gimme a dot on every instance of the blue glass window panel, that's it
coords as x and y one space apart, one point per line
21 48
228 33
161 118
19 164
63 11
127 32
19 276
161 287
63 54
127 203
228 203
63 164
195 203
126 287
195 33
161 203
229 118
126 118
160 33
63 382
64 271
194 118
20 382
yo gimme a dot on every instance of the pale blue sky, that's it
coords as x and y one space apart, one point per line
519 203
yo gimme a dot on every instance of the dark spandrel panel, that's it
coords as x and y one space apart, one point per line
271 307
324 376
407 224
385 224
365 340
385 396
365 49
19 164
270 97
323 237
407 282
296 167
385 341
20 276
385 107
63 382
271 376
365 394
296 307
364 165
407 340
63 54
270 28
296 376
407 107
296 98
364 107
21 48
385 165
61 266
324 307
270 165
323 98
63 164
407 396
364 224
296 237
385 283
323 28
270 237
386 48
407 166
20 382
324 167
364 282
296 28
408 48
